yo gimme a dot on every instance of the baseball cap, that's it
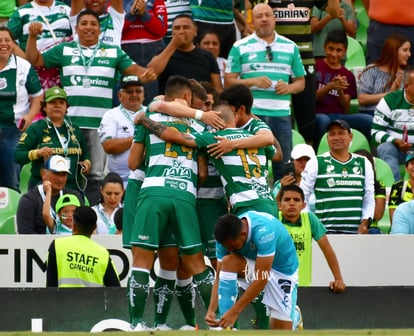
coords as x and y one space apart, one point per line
54 93
301 150
65 200
57 164
130 80
409 157
341 123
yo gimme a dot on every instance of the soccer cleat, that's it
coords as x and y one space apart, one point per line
298 321
162 327
140 327
188 327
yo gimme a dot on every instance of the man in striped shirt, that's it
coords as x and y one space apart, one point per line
271 66
343 183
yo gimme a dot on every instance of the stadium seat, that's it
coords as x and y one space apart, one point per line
384 172
355 55
297 138
362 28
8 225
25 177
9 200
359 141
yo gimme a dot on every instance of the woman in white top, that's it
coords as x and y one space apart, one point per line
112 191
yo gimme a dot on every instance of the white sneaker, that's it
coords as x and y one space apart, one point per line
221 328
298 321
140 327
188 327
162 327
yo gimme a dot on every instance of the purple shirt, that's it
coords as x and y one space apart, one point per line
330 102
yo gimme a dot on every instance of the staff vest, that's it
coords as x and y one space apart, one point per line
81 262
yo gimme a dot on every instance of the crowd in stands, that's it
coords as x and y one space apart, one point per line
161 114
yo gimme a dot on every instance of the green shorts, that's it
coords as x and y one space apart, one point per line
208 211
130 205
157 217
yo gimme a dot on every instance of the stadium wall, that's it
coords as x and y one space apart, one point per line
80 309
378 270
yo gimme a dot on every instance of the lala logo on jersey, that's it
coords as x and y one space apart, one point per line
177 170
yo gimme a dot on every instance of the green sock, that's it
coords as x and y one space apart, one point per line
186 298
137 292
163 295
262 315
204 282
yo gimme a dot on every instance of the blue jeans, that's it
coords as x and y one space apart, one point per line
360 121
142 54
393 156
282 130
9 170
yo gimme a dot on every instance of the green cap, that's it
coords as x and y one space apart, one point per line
67 199
54 93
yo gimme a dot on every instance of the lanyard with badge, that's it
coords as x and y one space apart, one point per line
128 115
109 223
86 81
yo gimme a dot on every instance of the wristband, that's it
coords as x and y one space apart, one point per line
198 115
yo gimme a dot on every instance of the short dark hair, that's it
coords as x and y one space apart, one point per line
291 187
176 85
9 31
198 90
183 16
210 89
238 95
86 12
85 219
337 36
227 227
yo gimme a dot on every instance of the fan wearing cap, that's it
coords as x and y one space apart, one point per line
65 207
343 183
403 190
300 155
89 78
116 129
29 214
55 134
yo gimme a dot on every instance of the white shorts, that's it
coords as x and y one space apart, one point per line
280 294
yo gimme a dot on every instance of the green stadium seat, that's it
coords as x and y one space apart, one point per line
9 200
25 177
297 138
359 141
355 55
384 172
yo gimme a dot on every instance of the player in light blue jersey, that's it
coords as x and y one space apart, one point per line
256 245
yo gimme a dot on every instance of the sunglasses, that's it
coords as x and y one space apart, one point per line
269 53
131 91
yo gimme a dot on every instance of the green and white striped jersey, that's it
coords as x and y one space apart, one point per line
243 171
54 19
212 11
171 169
89 86
249 58
344 191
